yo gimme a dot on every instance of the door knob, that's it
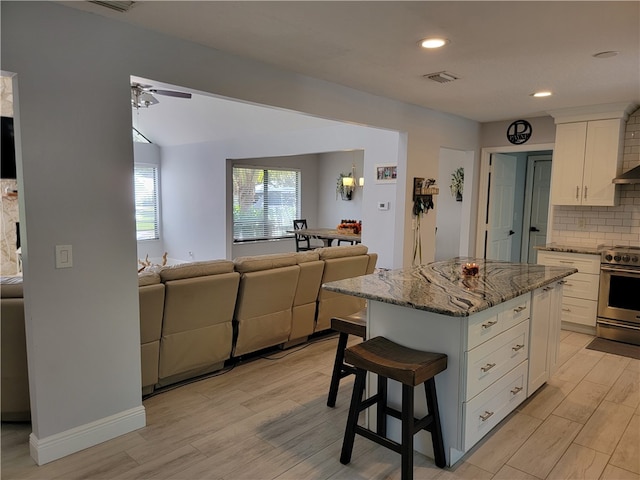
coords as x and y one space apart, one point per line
511 232
534 229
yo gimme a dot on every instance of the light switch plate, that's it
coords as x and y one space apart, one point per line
64 256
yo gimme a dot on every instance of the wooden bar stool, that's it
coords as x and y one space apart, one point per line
355 324
409 367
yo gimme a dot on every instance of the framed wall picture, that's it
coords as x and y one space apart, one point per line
386 173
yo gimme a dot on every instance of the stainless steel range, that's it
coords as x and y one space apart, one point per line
619 297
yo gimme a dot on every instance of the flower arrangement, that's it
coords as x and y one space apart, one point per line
147 265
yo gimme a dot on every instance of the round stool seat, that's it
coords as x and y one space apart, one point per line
388 359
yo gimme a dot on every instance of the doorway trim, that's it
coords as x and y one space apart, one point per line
483 194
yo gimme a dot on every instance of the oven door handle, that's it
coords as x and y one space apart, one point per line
612 324
621 270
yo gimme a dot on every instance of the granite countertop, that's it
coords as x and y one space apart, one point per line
441 287
558 247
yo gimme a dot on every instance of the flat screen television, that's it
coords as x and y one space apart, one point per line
8 144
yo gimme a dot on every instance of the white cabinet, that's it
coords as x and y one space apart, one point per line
580 295
495 366
544 338
587 156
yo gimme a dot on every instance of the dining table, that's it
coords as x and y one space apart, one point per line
328 235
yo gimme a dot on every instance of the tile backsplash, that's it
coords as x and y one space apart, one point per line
593 226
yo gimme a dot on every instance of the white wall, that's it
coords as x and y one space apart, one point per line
331 207
379 145
76 178
453 218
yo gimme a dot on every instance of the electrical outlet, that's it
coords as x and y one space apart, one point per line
582 222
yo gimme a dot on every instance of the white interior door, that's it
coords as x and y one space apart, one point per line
501 202
539 206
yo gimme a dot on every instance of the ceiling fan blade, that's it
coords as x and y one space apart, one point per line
170 93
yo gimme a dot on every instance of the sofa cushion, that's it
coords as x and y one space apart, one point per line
264 262
304 257
341 251
11 287
196 269
148 278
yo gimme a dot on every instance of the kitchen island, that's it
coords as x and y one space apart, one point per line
499 328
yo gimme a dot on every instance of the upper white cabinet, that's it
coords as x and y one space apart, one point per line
587 156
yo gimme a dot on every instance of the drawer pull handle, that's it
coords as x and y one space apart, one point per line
566 261
484 417
487 367
517 347
566 309
490 323
516 390
519 309
568 284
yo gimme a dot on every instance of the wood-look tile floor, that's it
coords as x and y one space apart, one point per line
267 419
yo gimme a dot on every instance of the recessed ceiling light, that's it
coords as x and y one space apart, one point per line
545 93
607 54
433 42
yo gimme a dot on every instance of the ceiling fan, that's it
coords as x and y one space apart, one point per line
142 96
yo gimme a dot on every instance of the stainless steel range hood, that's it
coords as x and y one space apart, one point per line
630 177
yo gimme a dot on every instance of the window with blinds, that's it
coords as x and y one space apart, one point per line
265 202
146 193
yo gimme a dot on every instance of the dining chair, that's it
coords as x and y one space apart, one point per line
303 242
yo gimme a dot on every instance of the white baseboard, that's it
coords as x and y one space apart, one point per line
48 449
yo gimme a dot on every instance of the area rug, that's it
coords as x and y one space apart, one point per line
616 348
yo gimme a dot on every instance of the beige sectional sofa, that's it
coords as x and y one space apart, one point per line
195 317
197 332
14 388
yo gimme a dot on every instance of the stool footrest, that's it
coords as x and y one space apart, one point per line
423 423
380 440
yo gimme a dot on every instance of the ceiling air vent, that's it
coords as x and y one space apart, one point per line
441 77
117 6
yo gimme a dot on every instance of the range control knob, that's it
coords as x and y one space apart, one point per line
617 258
626 258
608 257
634 259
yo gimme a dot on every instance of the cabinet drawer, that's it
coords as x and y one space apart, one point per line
488 362
515 311
584 262
487 324
577 310
582 285
483 412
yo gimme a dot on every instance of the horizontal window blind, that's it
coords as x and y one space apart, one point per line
146 193
265 202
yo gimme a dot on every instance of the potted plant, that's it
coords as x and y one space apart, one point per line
345 191
457 183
